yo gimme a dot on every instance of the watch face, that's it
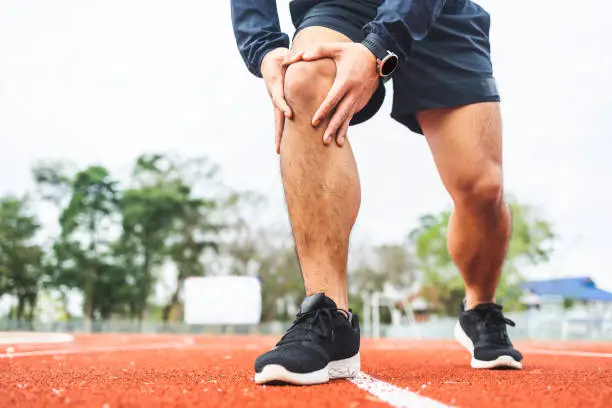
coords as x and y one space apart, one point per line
388 65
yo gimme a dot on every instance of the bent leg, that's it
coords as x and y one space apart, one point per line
321 182
466 143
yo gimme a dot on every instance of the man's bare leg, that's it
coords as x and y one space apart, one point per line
321 182
466 143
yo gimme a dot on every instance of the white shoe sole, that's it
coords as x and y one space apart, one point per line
346 368
499 362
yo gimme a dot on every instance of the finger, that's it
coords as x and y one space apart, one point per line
334 96
342 114
343 131
292 58
322 51
279 124
278 97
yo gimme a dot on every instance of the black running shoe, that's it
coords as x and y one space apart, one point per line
321 344
482 330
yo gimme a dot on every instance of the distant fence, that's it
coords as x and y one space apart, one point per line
531 325
146 327
536 325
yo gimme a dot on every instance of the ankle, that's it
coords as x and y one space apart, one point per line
341 303
339 297
472 301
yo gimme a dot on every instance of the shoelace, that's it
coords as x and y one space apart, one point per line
305 325
495 327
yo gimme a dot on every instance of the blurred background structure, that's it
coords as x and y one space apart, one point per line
136 153
125 251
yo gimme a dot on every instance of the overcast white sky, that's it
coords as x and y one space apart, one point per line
104 81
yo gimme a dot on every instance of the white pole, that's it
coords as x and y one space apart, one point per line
367 315
376 315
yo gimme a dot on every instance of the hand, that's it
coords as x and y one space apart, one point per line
356 80
273 67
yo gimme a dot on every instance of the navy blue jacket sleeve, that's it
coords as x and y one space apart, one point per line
400 22
257 31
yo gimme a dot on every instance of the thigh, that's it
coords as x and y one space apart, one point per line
466 144
313 36
450 67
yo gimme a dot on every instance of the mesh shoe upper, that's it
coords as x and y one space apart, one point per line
486 325
318 335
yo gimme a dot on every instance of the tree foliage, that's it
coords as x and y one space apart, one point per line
115 241
20 258
127 247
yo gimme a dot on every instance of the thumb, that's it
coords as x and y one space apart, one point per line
322 51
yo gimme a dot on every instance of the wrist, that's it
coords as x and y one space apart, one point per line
269 55
386 61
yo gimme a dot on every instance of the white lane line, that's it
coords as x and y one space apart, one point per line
575 353
125 347
524 350
392 395
10 338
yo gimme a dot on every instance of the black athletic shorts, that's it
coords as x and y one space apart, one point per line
450 67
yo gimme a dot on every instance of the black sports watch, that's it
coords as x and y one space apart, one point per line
386 61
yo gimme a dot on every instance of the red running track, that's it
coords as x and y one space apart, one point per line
109 371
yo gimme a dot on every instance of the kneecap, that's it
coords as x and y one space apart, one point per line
309 82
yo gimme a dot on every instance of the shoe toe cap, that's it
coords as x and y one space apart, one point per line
492 354
296 360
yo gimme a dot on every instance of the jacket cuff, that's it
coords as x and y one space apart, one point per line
281 42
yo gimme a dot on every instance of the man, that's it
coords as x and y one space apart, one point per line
437 53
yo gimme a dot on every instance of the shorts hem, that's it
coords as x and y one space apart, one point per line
459 94
332 25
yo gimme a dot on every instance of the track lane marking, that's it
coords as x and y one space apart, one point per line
524 350
94 349
19 338
574 353
393 395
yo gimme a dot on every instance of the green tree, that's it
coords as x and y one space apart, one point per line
126 290
163 219
173 211
148 215
63 272
85 222
54 181
530 244
20 259
194 232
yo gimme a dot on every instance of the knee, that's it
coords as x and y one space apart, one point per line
307 83
480 191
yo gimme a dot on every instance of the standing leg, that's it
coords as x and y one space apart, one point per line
466 144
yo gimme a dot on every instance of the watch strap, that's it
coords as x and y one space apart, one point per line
374 46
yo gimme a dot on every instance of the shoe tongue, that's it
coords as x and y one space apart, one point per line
317 301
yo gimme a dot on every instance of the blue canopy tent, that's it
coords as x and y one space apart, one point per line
580 289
